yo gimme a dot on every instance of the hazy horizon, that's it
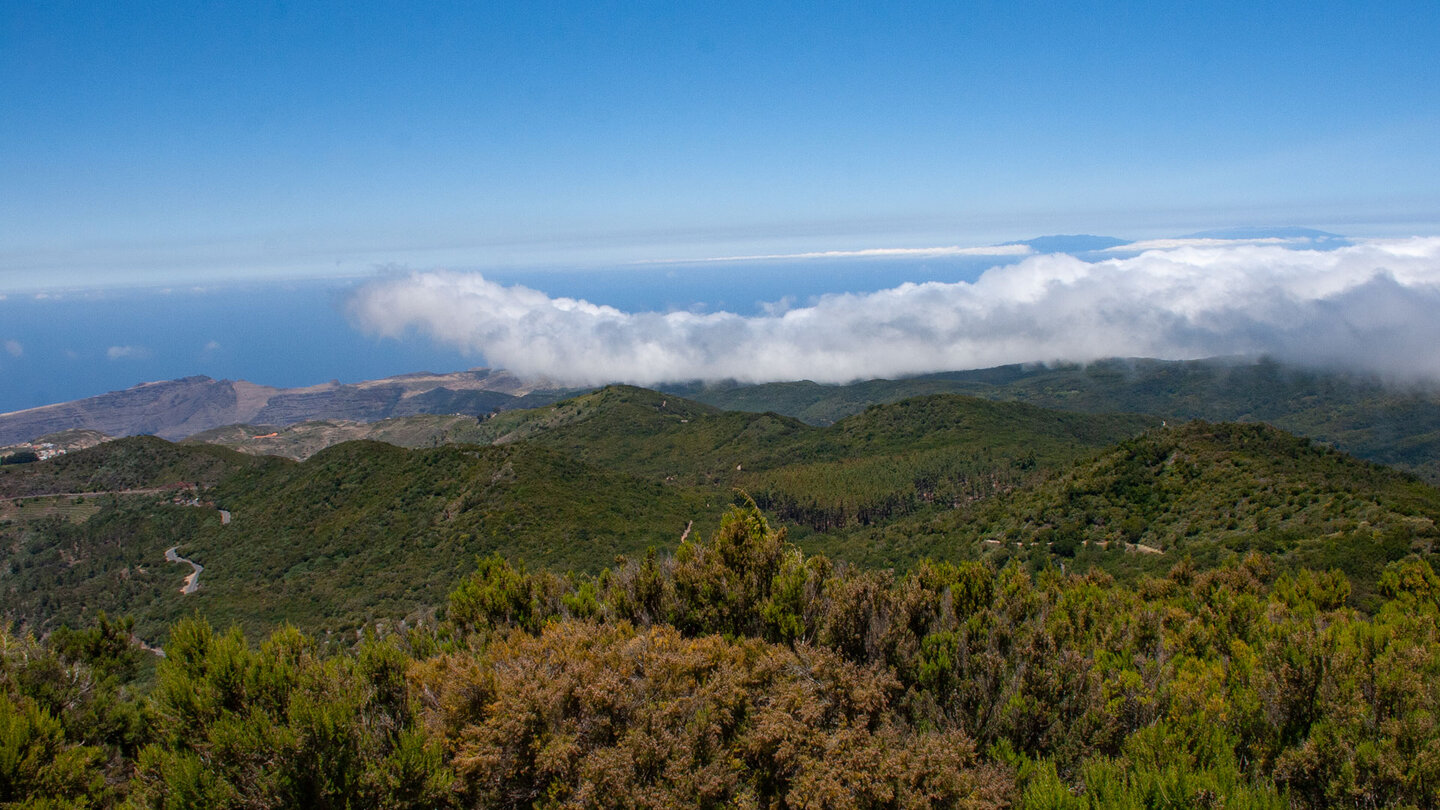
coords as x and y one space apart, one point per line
1362 306
293 193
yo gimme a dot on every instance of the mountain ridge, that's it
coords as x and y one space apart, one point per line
1388 424
175 409
367 529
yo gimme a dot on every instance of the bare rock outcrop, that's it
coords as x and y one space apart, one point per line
174 409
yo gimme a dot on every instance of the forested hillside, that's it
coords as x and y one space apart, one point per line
367 532
742 672
137 463
1201 492
1386 422
361 531
986 604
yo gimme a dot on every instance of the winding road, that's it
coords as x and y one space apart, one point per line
192 582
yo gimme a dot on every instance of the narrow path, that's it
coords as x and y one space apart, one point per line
92 493
192 582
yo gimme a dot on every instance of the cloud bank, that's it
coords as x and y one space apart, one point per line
882 253
1372 306
127 352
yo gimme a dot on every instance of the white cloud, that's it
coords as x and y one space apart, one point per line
1372 306
127 352
14 349
211 346
878 253
1206 242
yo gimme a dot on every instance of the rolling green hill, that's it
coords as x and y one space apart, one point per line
877 464
928 452
138 462
366 530
1200 490
1388 424
361 530
1080 608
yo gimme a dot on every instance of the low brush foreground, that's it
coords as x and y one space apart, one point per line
741 672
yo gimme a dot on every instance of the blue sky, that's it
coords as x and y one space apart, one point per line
154 142
290 192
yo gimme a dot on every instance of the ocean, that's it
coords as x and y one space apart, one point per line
65 345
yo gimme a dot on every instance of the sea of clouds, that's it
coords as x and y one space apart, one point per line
1373 306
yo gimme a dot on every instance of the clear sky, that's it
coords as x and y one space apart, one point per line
293 192
156 142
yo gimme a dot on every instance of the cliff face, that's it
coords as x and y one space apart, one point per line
174 409
340 402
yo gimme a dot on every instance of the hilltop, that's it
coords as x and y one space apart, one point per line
1388 424
1199 492
365 530
885 461
304 439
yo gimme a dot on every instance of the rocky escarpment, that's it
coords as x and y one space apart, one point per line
338 402
174 409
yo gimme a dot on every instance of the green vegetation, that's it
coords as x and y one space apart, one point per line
1200 491
984 604
367 532
57 571
359 532
742 672
874 466
139 462
944 450
1363 416
72 508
